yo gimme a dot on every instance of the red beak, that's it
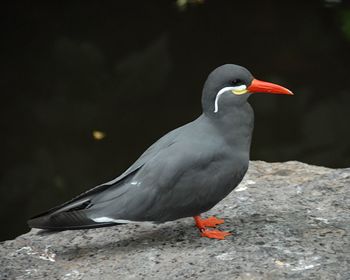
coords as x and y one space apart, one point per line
265 87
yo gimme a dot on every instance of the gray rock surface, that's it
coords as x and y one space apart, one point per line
290 221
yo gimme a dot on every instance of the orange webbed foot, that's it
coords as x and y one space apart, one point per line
212 222
215 234
202 225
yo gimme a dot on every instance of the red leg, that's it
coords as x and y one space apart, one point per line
210 222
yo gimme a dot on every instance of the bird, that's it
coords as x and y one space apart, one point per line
183 174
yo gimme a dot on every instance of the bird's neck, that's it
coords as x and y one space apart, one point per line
235 125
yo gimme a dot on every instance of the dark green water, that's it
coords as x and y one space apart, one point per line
135 71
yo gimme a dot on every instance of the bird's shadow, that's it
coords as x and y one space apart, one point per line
172 234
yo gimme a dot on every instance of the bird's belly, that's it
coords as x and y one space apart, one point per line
195 195
218 188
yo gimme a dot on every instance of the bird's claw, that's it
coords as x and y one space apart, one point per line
210 222
215 234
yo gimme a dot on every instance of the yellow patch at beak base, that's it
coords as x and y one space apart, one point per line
239 91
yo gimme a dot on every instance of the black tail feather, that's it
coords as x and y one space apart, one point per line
65 221
68 216
74 214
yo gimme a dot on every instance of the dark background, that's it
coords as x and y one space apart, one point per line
135 69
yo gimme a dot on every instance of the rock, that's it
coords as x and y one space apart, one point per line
290 221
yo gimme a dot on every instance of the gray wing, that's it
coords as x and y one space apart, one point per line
153 150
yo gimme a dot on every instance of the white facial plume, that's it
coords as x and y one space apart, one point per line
241 89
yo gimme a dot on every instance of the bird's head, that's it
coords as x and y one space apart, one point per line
231 85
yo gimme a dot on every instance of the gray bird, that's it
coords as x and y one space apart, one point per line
185 173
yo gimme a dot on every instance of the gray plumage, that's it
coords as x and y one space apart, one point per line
184 173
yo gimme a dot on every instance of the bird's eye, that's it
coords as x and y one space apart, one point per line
236 82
